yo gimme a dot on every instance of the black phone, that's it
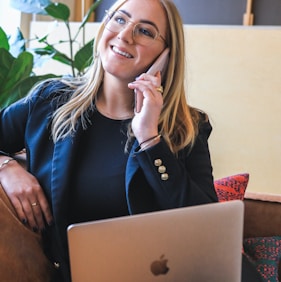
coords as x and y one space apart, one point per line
160 64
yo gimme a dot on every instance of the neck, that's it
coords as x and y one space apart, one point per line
115 100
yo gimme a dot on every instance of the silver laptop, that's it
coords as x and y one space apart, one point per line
201 243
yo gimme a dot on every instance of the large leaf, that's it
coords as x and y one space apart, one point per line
4 42
84 56
30 6
6 61
21 89
58 11
20 69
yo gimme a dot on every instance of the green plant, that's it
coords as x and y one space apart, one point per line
59 11
17 62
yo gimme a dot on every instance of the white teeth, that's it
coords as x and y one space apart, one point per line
116 50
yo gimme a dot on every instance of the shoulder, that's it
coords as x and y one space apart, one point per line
201 122
49 90
204 125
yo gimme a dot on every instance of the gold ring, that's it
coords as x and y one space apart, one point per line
160 89
34 204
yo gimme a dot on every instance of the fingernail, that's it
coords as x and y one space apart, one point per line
24 221
51 223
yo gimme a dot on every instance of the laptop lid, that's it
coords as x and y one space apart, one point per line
199 243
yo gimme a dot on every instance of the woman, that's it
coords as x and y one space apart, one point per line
90 154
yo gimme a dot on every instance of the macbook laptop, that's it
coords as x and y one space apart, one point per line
201 243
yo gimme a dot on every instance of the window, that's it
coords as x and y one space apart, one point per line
9 17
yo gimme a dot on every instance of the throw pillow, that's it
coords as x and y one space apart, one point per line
231 187
265 253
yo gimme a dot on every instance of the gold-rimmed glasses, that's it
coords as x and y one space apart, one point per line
144 33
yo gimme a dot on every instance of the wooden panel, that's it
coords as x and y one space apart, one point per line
81 7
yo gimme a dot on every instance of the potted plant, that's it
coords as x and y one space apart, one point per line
17 61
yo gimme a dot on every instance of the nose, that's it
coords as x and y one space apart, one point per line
126 34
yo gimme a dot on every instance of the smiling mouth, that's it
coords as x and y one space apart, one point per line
119 52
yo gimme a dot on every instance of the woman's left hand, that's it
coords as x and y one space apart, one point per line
145 121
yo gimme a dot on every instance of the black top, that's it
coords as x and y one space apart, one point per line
101 193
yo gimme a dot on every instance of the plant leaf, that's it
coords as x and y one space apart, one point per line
21 89
58 11
20 69
84 56
30 6
17 43
49 50
4 42
6 61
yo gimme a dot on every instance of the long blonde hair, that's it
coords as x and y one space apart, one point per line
178 122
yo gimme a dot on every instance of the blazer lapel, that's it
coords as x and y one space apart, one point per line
62 165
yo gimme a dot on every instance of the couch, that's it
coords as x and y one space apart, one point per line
262 221
263 218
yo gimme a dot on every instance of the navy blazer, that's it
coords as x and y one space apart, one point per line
26 124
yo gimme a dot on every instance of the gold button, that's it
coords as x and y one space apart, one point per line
162 169
164 176
56 265
158 162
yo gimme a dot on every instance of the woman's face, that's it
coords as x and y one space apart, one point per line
120 54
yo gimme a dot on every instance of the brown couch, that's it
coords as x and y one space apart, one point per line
262 216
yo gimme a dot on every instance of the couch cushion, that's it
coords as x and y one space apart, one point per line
265 253
232 187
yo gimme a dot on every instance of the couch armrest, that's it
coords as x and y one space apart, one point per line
262 215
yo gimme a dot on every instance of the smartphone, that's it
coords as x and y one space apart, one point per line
160 64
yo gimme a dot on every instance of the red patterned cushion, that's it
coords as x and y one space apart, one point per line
265 253
231 187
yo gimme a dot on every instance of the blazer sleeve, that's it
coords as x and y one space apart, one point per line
190 179
16 126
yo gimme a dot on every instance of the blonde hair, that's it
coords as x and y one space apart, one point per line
178 122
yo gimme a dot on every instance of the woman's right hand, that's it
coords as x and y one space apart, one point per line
26 195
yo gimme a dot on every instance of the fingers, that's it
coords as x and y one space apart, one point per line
33 214
35 208
146 92
31 205
147 84
27 197
155 79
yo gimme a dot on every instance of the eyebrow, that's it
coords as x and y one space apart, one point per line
141 21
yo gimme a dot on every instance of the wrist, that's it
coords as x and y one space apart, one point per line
150 142
6 162
146 140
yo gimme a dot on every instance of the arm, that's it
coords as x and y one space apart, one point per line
190 180
21 186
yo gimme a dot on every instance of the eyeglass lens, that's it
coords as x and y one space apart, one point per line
143 33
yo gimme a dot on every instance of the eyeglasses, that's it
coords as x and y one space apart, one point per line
143 33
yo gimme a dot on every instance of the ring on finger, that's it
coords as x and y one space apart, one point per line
34 204
160 89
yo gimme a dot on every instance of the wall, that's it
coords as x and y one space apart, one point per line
223 12
233 73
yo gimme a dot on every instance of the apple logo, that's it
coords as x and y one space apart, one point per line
159 266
